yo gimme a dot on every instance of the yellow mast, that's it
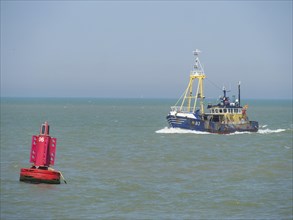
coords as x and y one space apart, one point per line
196 73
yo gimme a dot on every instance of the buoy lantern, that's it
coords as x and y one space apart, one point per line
43 152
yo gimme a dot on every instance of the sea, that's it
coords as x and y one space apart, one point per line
121 161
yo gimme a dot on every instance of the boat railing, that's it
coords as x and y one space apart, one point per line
218 111
181 109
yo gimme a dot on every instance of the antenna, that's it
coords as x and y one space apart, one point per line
197 67
239 93
225 91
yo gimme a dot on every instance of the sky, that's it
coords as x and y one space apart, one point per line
144 49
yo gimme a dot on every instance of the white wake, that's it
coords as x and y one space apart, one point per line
167 130
269 131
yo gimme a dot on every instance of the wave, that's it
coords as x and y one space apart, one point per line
168 130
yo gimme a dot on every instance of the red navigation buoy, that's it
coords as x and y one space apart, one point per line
43 151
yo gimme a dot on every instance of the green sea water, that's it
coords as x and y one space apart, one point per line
121 161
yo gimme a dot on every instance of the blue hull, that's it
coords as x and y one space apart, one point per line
186 123
209 126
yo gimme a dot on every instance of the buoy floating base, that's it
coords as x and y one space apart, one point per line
36 175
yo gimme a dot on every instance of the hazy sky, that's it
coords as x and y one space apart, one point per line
144 48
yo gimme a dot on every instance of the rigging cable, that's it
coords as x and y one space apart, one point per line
214 84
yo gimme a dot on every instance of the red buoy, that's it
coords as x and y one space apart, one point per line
43 151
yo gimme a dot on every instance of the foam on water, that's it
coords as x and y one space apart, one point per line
168 130
269 131
260 131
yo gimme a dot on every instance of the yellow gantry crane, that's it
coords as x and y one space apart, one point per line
196 74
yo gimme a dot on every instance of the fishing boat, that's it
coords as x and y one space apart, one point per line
227 116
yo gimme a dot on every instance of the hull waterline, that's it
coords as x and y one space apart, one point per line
212 127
